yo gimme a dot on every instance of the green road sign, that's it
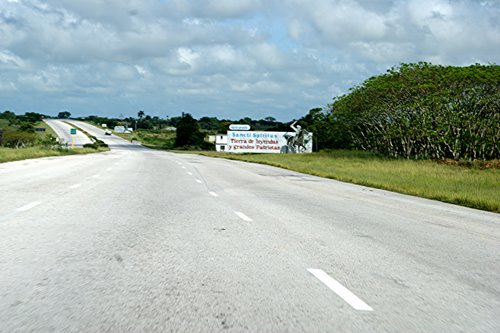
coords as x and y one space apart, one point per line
72 131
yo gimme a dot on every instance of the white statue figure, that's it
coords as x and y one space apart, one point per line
296 143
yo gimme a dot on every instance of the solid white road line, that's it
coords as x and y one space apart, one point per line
243 216
213 194
340 290
28 206
75 186
199 181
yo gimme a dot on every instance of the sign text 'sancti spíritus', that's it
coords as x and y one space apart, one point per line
257 142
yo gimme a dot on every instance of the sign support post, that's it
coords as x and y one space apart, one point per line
72 131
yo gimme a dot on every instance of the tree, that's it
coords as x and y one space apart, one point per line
31 117
188 132
26 127
64 115
209 123
424 111
8 115
141 114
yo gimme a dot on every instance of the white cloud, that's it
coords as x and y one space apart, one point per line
230 8
267 55
267 87
10 60
141 70
226 56
341 21
187 56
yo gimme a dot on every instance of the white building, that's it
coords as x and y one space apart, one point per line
220 142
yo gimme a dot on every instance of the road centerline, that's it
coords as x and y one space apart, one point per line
243 216
28 206
340 290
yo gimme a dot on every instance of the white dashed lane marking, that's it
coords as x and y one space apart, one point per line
75 186
213 194
243 217
340 290
199 181
28 206
190 173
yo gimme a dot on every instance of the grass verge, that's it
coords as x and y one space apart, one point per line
152 138
471 185
12 154
48 129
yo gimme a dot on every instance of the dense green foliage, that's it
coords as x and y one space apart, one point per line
97 144
418 111
64 115
188 133
18 131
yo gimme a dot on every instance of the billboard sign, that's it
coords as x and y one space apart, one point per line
266 142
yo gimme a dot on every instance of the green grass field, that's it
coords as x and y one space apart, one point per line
472 186
16 154
48 129
152 138
4 124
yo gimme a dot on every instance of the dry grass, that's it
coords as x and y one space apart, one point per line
468 184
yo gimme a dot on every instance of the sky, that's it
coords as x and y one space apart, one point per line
224 58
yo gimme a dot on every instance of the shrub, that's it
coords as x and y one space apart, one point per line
18 139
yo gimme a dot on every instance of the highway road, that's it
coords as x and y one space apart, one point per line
138 240
62 130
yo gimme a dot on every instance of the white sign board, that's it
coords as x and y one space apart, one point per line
239 127
265 142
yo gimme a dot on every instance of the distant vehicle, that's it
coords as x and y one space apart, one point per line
107 132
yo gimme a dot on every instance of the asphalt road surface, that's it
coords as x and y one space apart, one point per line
62 130
138 240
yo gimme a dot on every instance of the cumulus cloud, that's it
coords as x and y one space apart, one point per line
231 8
223 57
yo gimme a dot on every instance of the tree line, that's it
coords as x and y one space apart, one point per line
414 111
417 111
190 132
